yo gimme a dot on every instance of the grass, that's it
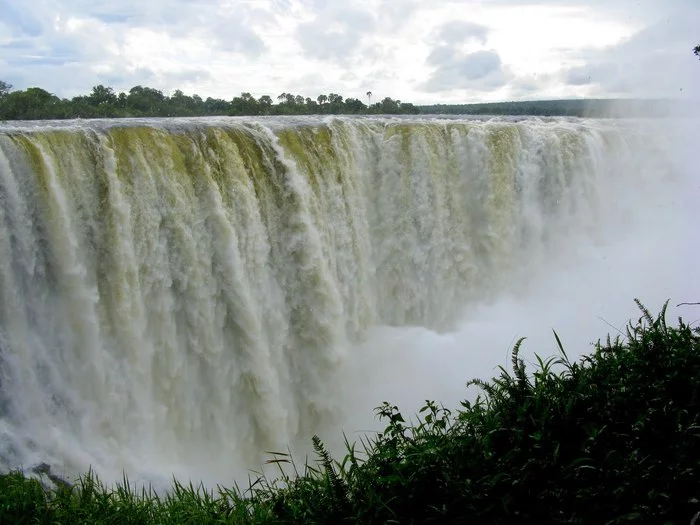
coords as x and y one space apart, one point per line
611 439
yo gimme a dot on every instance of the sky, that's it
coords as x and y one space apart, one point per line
420 51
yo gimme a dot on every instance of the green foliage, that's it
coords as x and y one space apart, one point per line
32 103
611 439
610 108
104 102
5 88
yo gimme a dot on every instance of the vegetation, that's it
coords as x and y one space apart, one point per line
36 103
611 439
572 108
103 102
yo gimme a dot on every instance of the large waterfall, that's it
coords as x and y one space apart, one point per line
183 295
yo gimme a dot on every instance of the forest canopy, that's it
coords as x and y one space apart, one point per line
104 102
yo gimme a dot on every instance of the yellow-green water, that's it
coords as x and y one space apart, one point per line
170 288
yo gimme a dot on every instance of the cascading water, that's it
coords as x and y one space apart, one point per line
180 296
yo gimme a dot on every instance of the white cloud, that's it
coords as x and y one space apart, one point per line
458 31
654 62
335 33
415 50
477 71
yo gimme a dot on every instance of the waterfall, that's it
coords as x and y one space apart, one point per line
189 291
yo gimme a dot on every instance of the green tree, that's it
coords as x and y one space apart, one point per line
102 95
334 98
142 101
265 105
31 104
390 106
147 101
181 105
244 105
311 106
335 102
409 109
215 106
354 105
121 100
5 88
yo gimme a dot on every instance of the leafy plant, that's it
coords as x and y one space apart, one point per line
610 439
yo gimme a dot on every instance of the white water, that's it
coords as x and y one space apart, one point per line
178 297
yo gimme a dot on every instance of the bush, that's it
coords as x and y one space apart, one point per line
612 439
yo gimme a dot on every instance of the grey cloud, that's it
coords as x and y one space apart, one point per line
395 15
526 87
52 49
65 62
579 76
112 18
326 44
481 70
459 31
335 34
442 55
30 61
146 76
23 43
234 36
455 69
19 20
624 10
479 64
591 74
73 78
348 76
656 62
39 48
233 25
282 5
311 85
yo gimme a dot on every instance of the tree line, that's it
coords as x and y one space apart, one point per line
104 102
591 108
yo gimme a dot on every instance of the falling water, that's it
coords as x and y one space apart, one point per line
179 296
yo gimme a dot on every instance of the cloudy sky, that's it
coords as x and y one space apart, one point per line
416 50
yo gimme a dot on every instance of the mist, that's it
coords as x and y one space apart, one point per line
647 250
205 314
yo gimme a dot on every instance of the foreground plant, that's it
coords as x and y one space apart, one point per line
612 439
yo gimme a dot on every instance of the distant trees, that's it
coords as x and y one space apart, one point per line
32 103
4 88
244 105
696 50
265 103
143 101
593 108
101 95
